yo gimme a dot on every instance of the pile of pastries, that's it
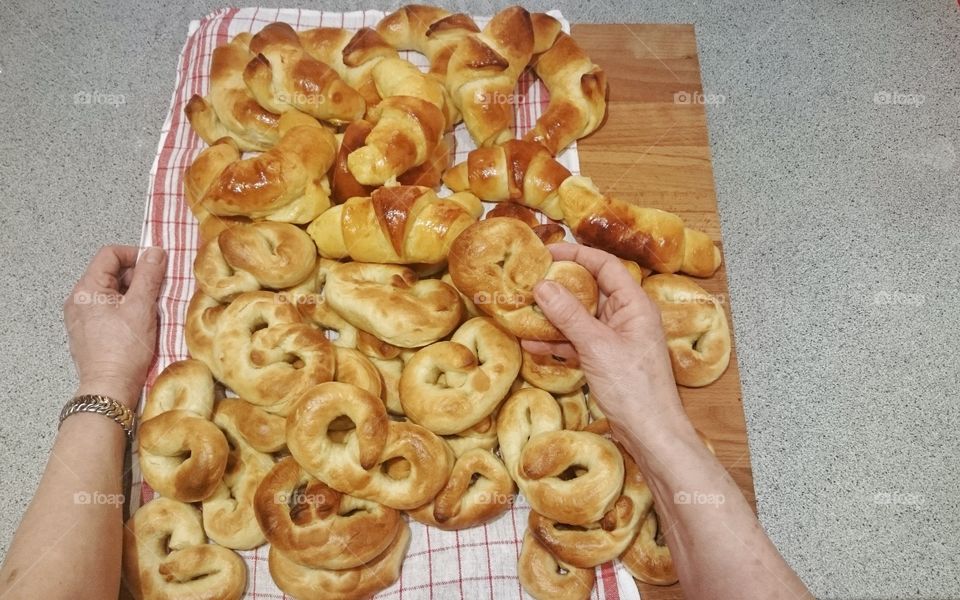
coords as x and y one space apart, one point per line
367 328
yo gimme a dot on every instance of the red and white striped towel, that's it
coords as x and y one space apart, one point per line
475 563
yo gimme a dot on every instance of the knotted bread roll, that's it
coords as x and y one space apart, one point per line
558 376
200 327
496 263
166 555
545 577
648 558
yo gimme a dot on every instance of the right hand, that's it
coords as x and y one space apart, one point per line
622 351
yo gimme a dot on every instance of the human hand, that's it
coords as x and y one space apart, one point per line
622 351
111 321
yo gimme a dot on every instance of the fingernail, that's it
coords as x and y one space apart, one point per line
154 256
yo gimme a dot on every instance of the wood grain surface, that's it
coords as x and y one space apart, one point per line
653 150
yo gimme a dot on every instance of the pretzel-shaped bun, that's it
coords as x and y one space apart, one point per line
654 238
399 225
166 555
182 454
200 327
285 183
479 490
496 262
392 303
525 414
230 110
316 526
283 77
353 55
515 171
451 386
397 464
228 517
364 581
482 436
246 258
549 233
695 324
578 90
429 30
576 414
356 369
552 374
267 354
251 426
545 577
390 370
648 558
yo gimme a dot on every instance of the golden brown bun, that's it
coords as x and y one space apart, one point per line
578 91
648 558
552 374
429 30
286 183
230 110
398 225
353 55
496 262
698 336
283 77
166 555
201 327
655 239
515 171
549 233
546 578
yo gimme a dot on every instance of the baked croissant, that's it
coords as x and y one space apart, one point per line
399 225
516 171
283 76
397 77
429 30
229 110
353 55
654 238
578 91
198 178
286 183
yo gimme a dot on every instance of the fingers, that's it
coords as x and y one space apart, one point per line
563 350
605 267
148 276
567 314
104 271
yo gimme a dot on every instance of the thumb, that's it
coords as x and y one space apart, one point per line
148 276
565 312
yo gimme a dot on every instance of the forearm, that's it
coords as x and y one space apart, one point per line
69 542
718 546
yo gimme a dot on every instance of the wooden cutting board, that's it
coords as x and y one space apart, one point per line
653 151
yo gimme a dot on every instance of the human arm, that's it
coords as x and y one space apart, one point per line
719 548
69 542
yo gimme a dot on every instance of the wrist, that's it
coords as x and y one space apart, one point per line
123 391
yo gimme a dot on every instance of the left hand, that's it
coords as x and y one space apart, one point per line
111 321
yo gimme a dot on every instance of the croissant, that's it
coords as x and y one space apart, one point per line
399 225
199 176
353 55
484 69
516 171
429 30
229 110
397 77
283 76
578 91
285 183
654 238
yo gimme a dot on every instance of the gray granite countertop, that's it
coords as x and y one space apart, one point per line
835 154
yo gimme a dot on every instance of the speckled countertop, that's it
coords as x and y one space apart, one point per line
835 155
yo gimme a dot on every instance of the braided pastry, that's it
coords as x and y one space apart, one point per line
392 303
578 90
648 558
305 583
316 526
183 455
371 453
166 556
267 354
228 517
545 577
400 225
559 376
452 385
479 490
246 258
515 171
695 324
230 110
200 327
353 55
429 30
284 77
497 261
655 239
285 183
